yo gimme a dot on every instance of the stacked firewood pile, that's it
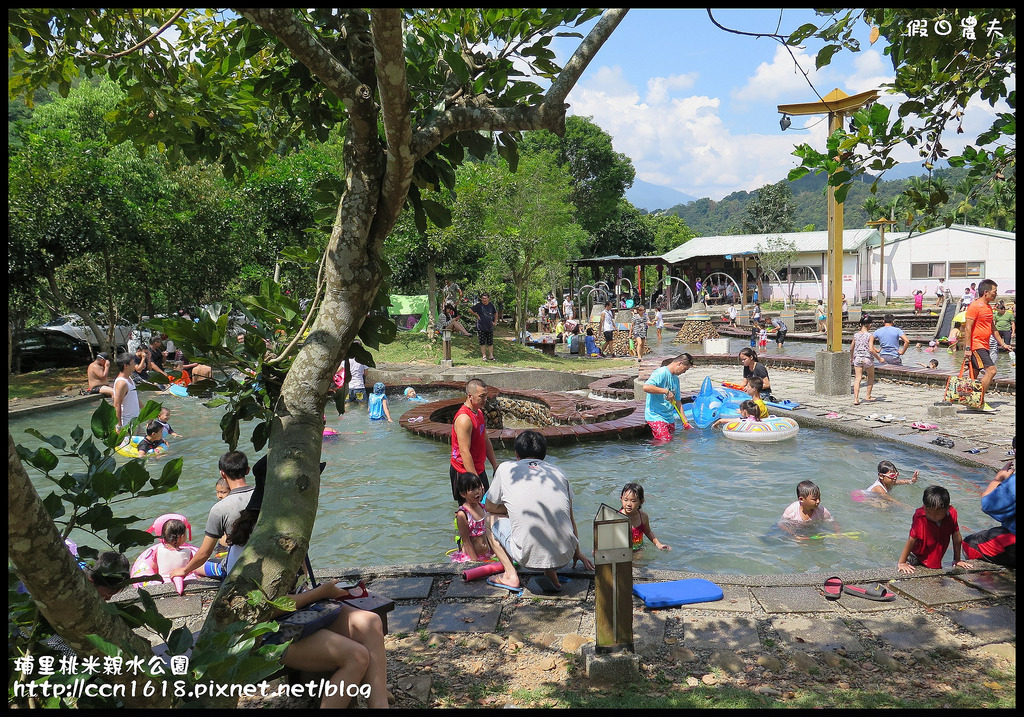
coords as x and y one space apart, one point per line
694 332
620 339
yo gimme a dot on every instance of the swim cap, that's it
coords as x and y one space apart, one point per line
378 388
409 390
932 343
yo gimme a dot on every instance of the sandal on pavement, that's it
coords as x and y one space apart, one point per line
833 588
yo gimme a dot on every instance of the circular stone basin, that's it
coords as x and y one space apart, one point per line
572 418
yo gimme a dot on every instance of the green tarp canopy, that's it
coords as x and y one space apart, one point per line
403 307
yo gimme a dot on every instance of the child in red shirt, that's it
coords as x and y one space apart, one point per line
934 524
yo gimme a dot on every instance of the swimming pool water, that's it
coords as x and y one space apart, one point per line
385 494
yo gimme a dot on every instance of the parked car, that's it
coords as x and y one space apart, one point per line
74 325
37 350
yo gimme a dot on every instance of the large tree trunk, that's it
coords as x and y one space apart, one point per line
59 588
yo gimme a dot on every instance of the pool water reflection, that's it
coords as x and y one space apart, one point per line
385 496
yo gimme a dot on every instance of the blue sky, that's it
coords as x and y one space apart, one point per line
695 107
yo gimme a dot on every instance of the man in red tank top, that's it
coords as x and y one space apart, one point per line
471 447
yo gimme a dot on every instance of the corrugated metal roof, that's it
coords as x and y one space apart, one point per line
853 239
959 228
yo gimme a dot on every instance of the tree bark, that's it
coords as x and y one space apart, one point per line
65 597
377 184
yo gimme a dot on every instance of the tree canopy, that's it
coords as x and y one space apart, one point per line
414 90
944 60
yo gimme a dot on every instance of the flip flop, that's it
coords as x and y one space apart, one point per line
833 588
923 426
495 584
876 592
944 442
887 418
871 417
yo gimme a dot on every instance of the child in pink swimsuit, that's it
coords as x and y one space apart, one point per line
471 521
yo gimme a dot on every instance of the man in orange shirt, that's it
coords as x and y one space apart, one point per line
977 331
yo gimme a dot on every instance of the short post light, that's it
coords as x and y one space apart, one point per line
613 581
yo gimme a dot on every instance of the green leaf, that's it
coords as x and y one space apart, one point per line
104 420
43 460
133 475
439 214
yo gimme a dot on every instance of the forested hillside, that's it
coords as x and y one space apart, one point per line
707 217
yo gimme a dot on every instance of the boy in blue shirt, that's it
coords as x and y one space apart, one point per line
662 390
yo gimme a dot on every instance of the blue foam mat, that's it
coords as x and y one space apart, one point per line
678 592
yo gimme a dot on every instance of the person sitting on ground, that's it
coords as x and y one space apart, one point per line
590 344
999 501
351 648
934 524
98 374
530 516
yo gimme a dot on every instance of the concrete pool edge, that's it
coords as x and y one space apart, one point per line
370 573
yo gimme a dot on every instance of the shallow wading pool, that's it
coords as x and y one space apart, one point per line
385 496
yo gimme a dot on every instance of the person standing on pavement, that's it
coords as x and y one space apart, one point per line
1004 322
471 448
485 313
978 328
608 328
567 308
892 342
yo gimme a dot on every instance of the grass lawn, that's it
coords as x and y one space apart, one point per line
41 383
415 348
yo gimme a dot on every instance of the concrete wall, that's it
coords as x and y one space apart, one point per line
954 244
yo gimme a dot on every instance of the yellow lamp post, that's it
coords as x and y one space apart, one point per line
837 104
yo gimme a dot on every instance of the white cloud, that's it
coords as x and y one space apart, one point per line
658 88
682 142
780 78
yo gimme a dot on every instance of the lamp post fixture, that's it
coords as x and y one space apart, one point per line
613 581
881 224
837 104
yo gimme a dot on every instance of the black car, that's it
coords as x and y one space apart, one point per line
38 350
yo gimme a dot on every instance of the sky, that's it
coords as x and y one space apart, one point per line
695 107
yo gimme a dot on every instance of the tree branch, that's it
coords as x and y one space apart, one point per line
548 114
307 49
389 53
142 44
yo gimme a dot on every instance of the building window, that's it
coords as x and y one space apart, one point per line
966 269
933 270
801 273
